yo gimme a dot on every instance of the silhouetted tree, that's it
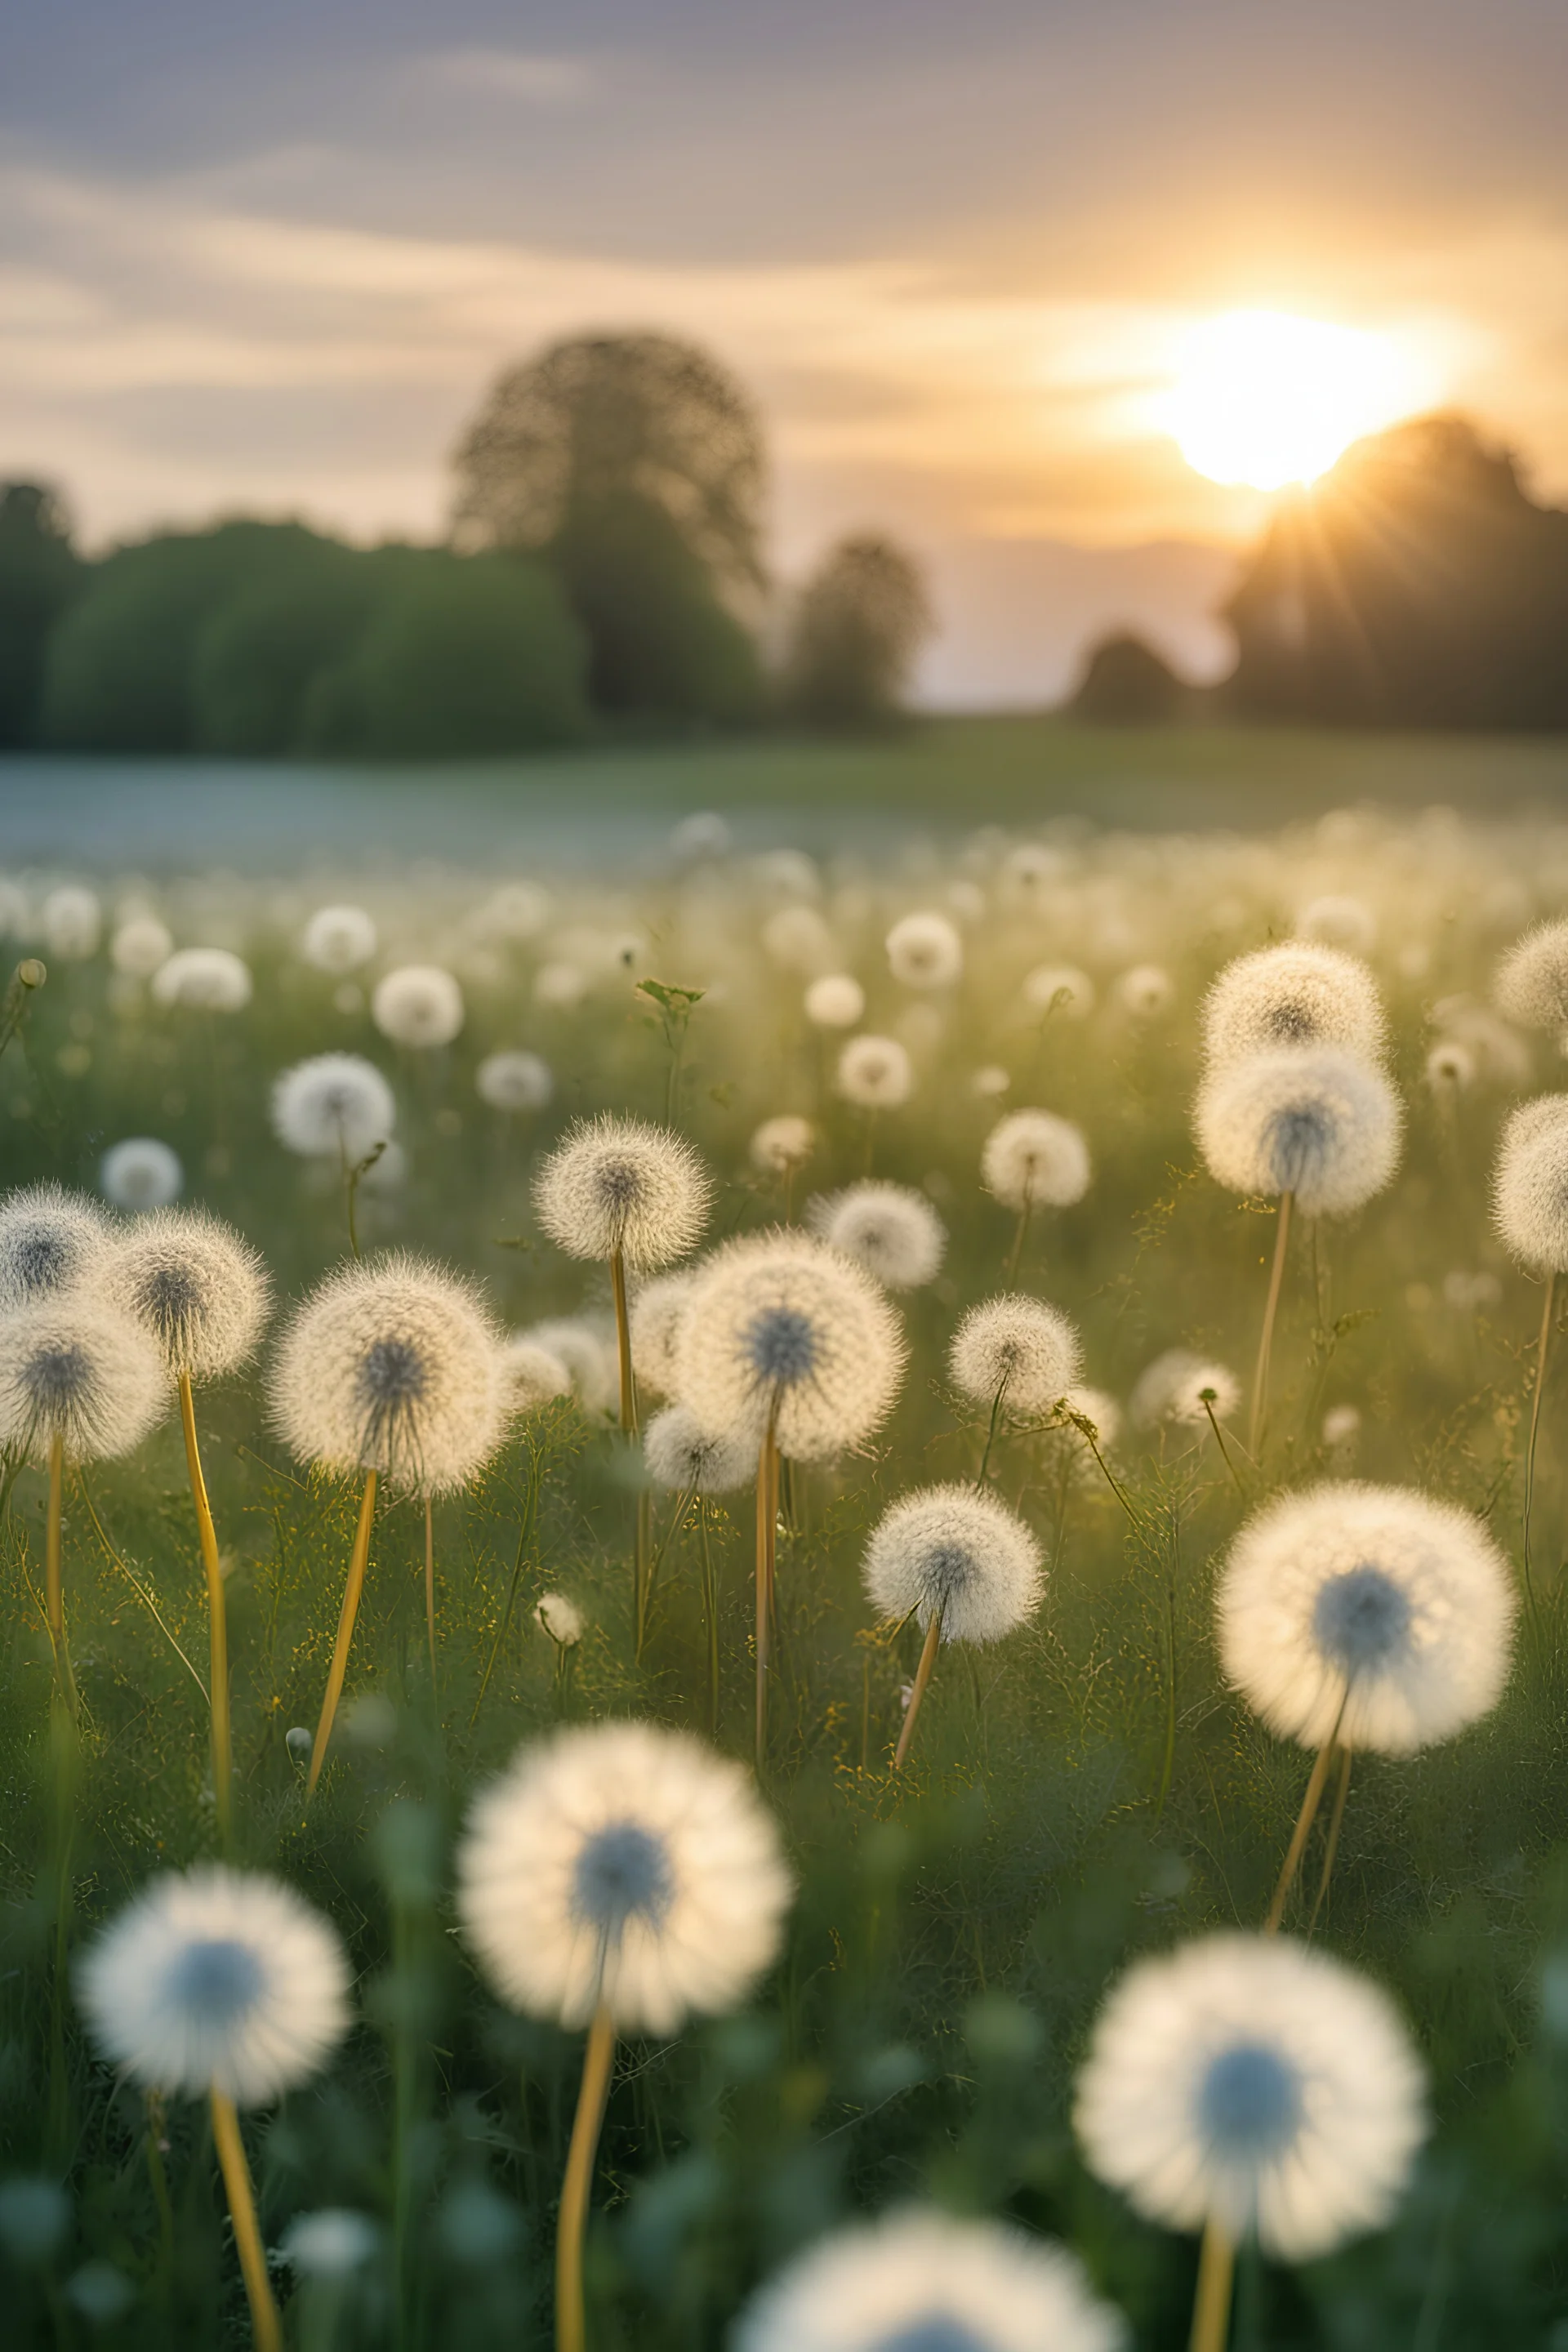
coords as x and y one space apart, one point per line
39 574
858 628
1416 585
1126 682
599 416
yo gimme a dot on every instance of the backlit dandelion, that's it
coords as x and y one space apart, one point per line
837 1000
1078 1458
924 950
1145 991
334 1106
1033 1159
1337 921
71 920
686 1459
1181 1389
1529 1210
339 939
586 1346
1451 1069
1250 2087
875 1073
622 1188
1296 995
920 2281
228 1987
514 1082
141 1173
50 1241
420 1006
782 1145
1016 1354
140 945
1059 991
517 910
797 939
1532 984
559 1617
656 1313
203 980
622 1877
534 1374
889 1229
966 1567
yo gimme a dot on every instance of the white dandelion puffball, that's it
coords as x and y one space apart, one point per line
990 1081
1297 994
623 1863
419 1004
194 1284
339 939
1069 1445
919 2281
1341 1425
1257 2082
950 1553
1032 1159
50 1240
514 1081
781 1326
141 1173
75 1369
875 1072
655 1318
517 910
834 1002
536 1375
587 1349
1532 984
797 939
924 950
331 2243
1450 1068
1317 1122
683 1458
560 985
783 1144
1335 920
1529 1186
1171 1391
621 1187
889 1229
562 1618
140 945
203 980
702 834
1376 1601
1015 1347
393 1364
72 923
1060 990
217 1980
1145 991
334 1106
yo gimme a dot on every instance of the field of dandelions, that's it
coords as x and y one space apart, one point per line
890 1556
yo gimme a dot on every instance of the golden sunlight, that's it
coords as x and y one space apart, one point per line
1264 398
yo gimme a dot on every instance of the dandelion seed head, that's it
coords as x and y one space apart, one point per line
655 1318
203 980
1173 1390
1374 1608
626 1863
797 939
1314 1121
685 1458
875 1073
783 1144
393 1364
1500 1055
948 1553
1531 983
622 1185
1059 991
919 2281
74 1367
562 1618
990 1081
141 1173
1337 921
217 1980
72 923
339 939
1145 991
924 950
334 1106
195 1286
514 1082
890 1230
1018 1347
534 1374
1529 1185
418 1005
140 945
50 1240
1033 1159
1450 1068
1300 994
586 1346
781 1324
1257 2082
517 910
560 985
834 1002
331 2243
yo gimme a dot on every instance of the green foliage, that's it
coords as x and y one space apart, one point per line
39 574
662 646
256 660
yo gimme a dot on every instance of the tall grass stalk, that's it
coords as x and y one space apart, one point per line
218 1622
358 1562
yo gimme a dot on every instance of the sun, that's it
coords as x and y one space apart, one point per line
1265 398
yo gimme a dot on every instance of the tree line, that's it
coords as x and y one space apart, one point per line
604 574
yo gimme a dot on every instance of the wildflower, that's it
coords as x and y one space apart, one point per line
1172 1393
1318 1123
1335 920
1060 990
333 1106
958 1560
782 1144
1532 984
50 1240
203 980
620 1188
79 1375
924 950
919 2281
418 1005
1530 1188
140 945
1016 1348
514 1082
875 1072
197 1289
72 923
834 1002
1145 991
893 1232
1257 2085
339 939
1370 1615
1300 994
141 1173
560 1618
686 1459
656 1313
1032 1159
586 1348
535 1374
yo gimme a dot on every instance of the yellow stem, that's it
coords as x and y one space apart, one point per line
247 2234
430 1587
1265 1344
624 1344
578 2180
922 1676
53 1580
768 1536
352 1592
1534 1429
218 1618
1336 1823
1303 1830
1211 2304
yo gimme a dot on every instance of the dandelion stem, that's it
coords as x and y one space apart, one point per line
1016 1259
1207 1399
677 1523
991 1433
358 1560
641 1540
1304 1829
431 1594
1266 1344
1211 2302
218 1622
246 2232
574 2188
530 1513
711 1616
1168 1761
1341 1797
1545 1342
922 1676
53 1573
767 1539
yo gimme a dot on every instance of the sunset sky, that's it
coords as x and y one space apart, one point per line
268 258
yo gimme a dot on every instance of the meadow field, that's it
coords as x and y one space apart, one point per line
1091 1787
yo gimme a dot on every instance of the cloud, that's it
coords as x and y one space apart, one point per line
535 80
